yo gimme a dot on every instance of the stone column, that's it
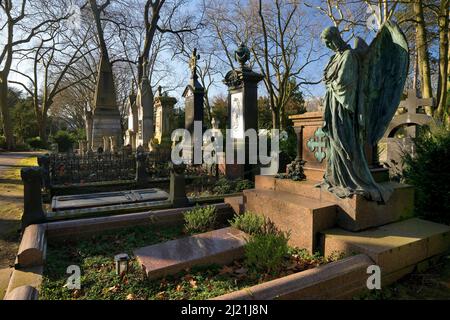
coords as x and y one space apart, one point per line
177 193
33 212
106 144
113 144
141 172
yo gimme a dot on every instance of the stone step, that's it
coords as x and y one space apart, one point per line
303 217
355 213
395 247
221 246
5 275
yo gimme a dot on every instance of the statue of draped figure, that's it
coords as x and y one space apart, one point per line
364 87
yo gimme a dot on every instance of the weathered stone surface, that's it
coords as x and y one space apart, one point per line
338 280
237 203
25 277
23 293
32 247
303 217
89 226
393 247
5 275
33 211
216 247
107 199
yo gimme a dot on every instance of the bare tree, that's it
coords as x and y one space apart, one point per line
31 19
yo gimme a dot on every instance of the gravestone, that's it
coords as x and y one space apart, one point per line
398 138
106 116
177 193
221 246
102 199
144 103
164 116
132 113
242 111
194 96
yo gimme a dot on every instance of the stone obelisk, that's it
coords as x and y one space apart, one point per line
106 116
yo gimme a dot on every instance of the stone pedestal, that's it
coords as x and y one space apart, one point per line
164 118
242 116
312 147
144 102
33 212
177 194
305 210
106 116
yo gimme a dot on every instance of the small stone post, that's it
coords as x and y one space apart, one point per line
177 194
44 164
33 212
106 144
141 173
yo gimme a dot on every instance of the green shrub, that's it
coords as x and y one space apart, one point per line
429 172
22 147
241 185
64 140
248 222
200 219
223 186
266 252
2 142
36 143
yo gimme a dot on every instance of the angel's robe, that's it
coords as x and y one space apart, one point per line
347 170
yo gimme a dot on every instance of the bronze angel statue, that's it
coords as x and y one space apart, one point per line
363 90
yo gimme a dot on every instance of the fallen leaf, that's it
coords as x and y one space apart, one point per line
179 288
131 297
161 295
114 289
76 294
241 271
226 269
193 283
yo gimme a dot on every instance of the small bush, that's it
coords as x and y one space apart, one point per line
22 147
248 222
64 140
36 143
241 185
428 170
223 186
200 219
2 142
266 252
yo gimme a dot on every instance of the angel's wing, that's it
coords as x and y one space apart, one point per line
384 75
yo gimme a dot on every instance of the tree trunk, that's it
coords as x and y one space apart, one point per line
42 122
4 108
422 51
275 118
443 59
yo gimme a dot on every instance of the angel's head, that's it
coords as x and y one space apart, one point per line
331 37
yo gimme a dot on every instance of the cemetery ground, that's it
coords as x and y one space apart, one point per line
11 206
100 281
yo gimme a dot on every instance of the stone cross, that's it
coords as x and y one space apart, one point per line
411 103
318 142
193 63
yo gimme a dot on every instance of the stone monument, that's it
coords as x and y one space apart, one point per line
106 116
132 113
194 96
242 110
164 106
144 103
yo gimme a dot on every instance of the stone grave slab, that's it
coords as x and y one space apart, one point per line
221 246
81 201
395 247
